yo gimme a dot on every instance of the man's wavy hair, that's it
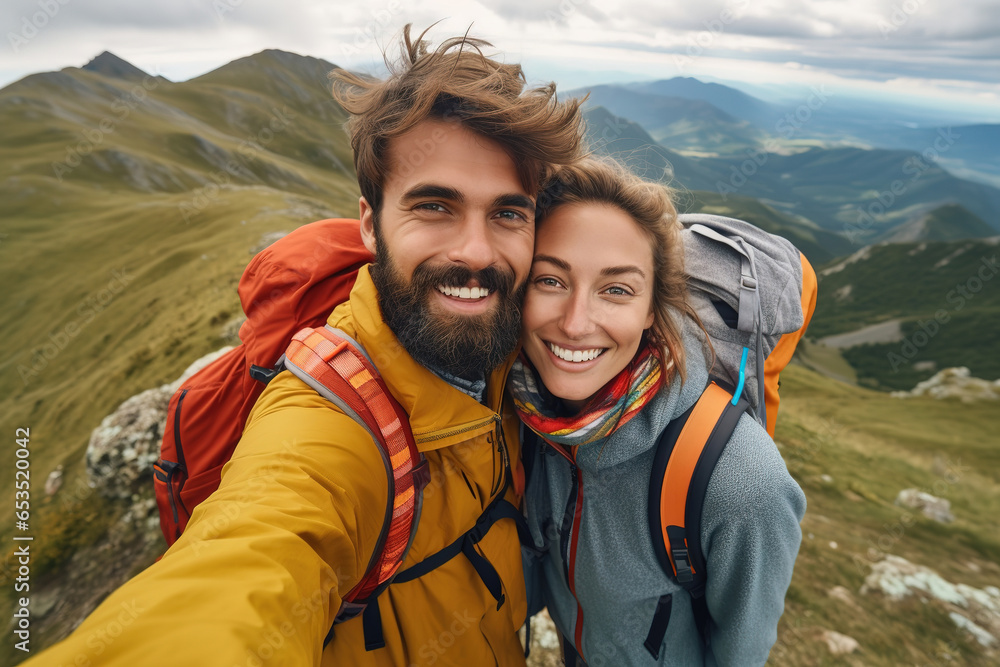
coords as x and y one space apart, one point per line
456 82
605 181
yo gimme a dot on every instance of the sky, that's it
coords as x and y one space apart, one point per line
932 53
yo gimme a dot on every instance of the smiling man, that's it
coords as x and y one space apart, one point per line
450 151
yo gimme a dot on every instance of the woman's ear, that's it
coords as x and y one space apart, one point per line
367 215
650 319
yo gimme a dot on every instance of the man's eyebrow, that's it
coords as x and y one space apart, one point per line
619 270
431 191
555 261
514 201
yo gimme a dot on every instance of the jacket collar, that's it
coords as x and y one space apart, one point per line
440 415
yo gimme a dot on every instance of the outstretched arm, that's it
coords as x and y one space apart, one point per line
263 563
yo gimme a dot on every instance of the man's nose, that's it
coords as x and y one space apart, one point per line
473 244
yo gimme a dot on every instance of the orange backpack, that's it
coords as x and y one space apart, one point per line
734 268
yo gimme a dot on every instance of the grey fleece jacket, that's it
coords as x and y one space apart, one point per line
750 538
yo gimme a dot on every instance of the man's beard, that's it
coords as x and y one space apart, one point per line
466 346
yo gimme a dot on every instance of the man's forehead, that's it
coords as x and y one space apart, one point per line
446 154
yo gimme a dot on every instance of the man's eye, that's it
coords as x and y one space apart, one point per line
513 216
430 206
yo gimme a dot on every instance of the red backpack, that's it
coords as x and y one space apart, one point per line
286 287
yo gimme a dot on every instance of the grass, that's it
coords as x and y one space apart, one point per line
871 446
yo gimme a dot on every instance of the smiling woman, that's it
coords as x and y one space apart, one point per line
613 355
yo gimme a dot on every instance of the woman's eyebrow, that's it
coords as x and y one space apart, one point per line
555 261
619 270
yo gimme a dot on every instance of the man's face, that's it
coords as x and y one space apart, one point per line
454 247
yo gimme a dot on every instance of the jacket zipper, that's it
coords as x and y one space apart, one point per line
439 435
569 541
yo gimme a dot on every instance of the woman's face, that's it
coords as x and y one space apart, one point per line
589 298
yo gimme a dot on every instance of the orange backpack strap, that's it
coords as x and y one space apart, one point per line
686 453
336 366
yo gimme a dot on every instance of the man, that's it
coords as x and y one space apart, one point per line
450 152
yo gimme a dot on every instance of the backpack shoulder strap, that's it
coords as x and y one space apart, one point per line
686 454
336 366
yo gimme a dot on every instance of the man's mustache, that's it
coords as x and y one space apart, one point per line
428 276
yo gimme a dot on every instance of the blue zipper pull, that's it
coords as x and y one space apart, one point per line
743 376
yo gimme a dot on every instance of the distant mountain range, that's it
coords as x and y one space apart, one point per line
669 110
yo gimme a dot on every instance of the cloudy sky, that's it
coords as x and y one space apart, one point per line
929 52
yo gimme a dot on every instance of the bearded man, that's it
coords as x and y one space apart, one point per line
450 152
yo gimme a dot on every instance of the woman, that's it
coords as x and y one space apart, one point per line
612 352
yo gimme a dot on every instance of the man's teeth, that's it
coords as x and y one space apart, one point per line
464 292
575 355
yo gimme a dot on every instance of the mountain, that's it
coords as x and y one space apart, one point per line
946 223
735 103
677 123
936 302
131 207
111 65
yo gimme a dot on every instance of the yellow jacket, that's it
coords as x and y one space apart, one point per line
258 574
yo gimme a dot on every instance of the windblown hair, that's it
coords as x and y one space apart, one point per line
604 181
456 82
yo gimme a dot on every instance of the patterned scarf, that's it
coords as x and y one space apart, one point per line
611 407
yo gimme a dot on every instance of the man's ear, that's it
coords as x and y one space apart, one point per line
367 215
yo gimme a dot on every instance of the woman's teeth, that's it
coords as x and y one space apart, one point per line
575 355
464 292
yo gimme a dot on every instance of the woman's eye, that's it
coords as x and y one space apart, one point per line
548 282
618 291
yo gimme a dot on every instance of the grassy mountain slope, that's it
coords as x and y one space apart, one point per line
946 223
871 446
946 296
131 208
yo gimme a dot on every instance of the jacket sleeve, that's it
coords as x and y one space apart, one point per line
258 574
751 537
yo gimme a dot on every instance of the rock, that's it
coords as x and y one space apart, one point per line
898 578
826 478
54 481
954 383
981 635
839 644
932 507
123 448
